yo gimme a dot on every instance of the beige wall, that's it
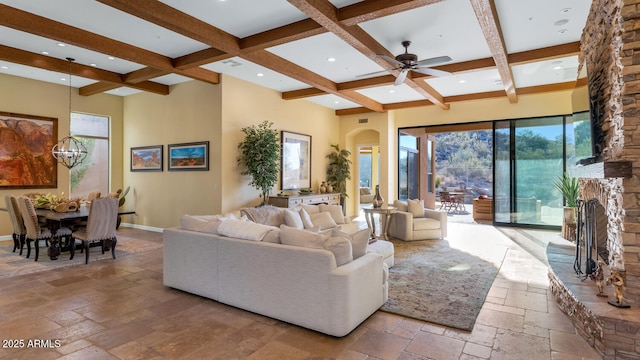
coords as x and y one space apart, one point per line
195 111
31 97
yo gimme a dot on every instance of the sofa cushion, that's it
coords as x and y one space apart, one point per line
341 249
335 211
297 237
324 220
272 236
292 218
311 209
246 230
204 223
416 208
425 224
359 240
401 205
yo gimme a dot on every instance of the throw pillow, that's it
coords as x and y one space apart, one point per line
293 219
359 241
324 220
208 224
400 205
246 230
311 209
303 238
341 249
306 219
416 208
335 211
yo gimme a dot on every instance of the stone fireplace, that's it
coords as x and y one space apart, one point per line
610 49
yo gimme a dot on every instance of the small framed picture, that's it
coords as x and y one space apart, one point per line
189 156
147 158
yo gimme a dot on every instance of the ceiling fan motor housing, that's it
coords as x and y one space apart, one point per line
407 59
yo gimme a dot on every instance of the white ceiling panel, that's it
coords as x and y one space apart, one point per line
248 71
546 72
467 83
391 94
332 101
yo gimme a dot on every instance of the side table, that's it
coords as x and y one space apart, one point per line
383 210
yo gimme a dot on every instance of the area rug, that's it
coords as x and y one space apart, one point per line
446 281
12 264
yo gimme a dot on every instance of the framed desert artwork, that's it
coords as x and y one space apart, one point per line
189 156
146 158
25 151
296 161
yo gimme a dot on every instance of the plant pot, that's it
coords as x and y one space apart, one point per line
569 214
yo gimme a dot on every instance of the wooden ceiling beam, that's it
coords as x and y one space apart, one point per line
487 16
181 23
370 10
41 26
200 58
325 14
295 31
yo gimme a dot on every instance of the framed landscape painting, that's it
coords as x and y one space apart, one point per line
146 158
26 161
296 161
189 156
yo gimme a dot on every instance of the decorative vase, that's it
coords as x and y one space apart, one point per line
329 188
323 187
377 199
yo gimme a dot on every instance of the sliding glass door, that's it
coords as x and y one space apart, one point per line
529 157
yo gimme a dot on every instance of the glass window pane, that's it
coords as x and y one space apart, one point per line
89 125
92 174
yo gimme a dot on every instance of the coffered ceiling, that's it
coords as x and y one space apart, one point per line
316 50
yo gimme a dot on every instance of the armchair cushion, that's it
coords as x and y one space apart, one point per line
416 208
400 205
425 224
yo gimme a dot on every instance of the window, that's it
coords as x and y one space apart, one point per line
408 168
93 173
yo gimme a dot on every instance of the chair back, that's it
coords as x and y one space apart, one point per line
93 195
15 214
103 218
444 195
30 217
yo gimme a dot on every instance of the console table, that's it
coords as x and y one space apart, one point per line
311 199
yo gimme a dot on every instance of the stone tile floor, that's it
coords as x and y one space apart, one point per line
120 310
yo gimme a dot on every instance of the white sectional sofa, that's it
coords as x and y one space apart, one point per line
300 285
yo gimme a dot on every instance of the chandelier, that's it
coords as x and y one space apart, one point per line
69 151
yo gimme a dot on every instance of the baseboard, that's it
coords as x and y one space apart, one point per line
142 227
6 237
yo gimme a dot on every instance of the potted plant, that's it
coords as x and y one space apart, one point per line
569 187
259 154
339 171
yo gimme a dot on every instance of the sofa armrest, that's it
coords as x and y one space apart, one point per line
440 216
401 226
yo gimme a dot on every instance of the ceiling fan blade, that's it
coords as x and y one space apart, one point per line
390 60
376 72
401 77
432 72
433 61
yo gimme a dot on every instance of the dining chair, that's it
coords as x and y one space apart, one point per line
93 195
101 227
35 232
15 216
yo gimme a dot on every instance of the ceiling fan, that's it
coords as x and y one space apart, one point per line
405 62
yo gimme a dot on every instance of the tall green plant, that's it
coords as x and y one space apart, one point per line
339 170
569 187
259 154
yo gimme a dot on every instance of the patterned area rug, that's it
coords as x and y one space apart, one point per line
446 281
12 264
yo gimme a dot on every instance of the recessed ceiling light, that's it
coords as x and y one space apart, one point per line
563 31
111 58
63 79
558 67
565 10
45 53
391 91
94 65
561 22
336 102
61 44
5 67
462 81
331 59
259 74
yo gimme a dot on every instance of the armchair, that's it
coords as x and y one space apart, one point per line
413 222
